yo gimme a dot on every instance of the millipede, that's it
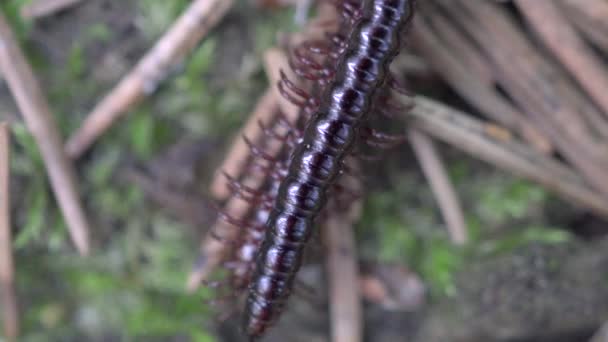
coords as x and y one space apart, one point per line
251 227
353 83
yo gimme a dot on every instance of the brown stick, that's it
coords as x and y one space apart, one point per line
463 131
343 270
42 8
38 118
553 27
434 171
10 312
179 40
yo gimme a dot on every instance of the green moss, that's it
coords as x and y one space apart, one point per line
98 32
404 225
12 10
155 17
508 199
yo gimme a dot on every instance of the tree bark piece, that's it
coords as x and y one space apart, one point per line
38 118
10 311
197 20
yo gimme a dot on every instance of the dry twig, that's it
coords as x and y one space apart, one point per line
470 76
38 118
42 8
461 130
343 271
542 90
8 297
179 40
434 171
584 65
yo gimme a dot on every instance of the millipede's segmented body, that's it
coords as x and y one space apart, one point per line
361 71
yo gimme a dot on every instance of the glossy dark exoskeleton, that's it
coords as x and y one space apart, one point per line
362 69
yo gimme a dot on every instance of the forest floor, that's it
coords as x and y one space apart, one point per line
515 280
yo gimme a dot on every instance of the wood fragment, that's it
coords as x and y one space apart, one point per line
463 131
8 297
38 118
564 42
443 190
42 8
185 34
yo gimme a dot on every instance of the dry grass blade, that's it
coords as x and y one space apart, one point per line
180 39
443 190
39 120
10 312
